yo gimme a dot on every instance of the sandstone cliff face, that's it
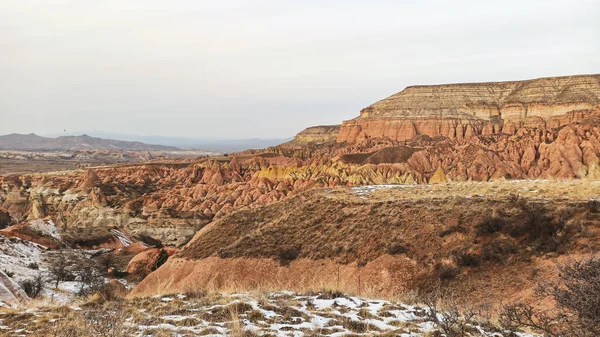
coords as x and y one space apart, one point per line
315 135
461 111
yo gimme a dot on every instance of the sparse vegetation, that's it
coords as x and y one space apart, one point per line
446 271
70 265
163 256
576 294
34 286
287 255
451 318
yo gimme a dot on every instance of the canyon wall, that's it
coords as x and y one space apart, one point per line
466 110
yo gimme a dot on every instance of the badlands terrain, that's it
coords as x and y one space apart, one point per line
474 193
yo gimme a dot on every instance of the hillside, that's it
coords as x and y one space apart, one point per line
32 141
481 240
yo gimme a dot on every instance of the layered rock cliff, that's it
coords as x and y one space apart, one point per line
315 135
459 111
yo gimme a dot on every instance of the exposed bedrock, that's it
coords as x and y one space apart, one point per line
460 111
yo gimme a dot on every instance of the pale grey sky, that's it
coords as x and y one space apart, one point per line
268 69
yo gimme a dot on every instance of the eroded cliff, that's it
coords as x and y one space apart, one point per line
465 110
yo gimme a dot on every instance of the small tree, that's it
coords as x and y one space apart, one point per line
89 276
59 265
107 260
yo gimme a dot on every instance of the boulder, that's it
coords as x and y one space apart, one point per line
10 292
146 262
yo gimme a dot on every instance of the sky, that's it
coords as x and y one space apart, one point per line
261 68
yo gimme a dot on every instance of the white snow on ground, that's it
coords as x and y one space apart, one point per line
25 261
45 228
363 191
18 256
273 314
297 315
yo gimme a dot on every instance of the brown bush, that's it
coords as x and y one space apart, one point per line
498 248
34 286
446 271
577 300
490 225
287 255
397 248
465 259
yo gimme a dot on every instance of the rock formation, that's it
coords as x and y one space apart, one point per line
459 111
403 139
10 292
315 135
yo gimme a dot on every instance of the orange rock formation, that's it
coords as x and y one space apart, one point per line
460 111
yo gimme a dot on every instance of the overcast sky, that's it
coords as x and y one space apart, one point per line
240 69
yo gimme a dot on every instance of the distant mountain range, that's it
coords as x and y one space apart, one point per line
16 141
98 140
227 145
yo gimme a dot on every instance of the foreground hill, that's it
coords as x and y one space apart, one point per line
480 240
32 141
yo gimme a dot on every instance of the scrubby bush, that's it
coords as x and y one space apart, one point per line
446 271
9 273
450 318
90 278
287 255
69 265
107 260
34 286
498 248
577 299
163 256
33 265
593 206
545 230
396 248
463 258
490 225
60 265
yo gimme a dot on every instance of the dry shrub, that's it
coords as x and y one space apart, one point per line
397 248
490 225
544 229
451 318
34 286
446 271
593 206
287 255
463 258
498 248
162 257
577 298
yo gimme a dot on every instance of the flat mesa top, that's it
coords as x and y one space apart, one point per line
576 190
458 99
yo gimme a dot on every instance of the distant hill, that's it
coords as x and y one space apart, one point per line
223 145
16 141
